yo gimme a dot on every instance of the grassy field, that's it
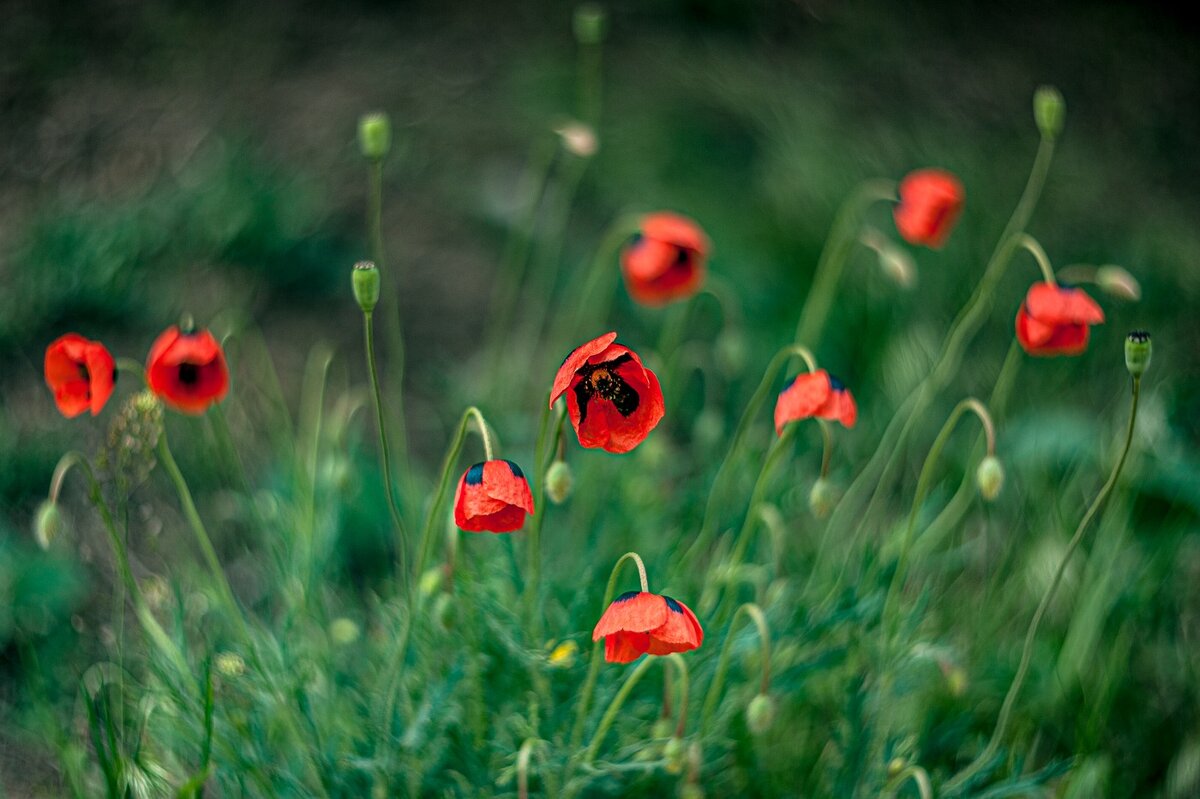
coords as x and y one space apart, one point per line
237 606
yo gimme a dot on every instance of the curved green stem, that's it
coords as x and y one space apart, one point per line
839 245
385 452
764 637
1027 242
923 483
684 691
716 493
778 448
131 366
914 773
1010 698
614 707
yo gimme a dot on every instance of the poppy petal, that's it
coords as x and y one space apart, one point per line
625 647
802 398
635 611
1058 305
578 357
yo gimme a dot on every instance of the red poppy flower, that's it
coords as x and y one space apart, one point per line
613 400
1054 320
81 374
930 202
815 394
638 622
187 370
492 496
665 261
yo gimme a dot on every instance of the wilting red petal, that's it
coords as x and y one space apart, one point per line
623 647
187 370
578 357
635 611
1059 305
80 373
493 496
802 398
930 203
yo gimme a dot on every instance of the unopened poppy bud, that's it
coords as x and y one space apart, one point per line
662 727
673 754
589 23
431 581
47 523
365 278
230 664
760 714
989 477
1137 352
822 498
343 631
895 766
374 135
1049 111
691 790
956 681
559 482
1117 282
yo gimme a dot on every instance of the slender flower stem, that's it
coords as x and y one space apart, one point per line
684 689
914 773
385 452
1031 244
589 684
533 583
778 448
614 707
923 484
1014 690
482 426
523 756
755 613
131 366
842 237
881 468
204 542
716 493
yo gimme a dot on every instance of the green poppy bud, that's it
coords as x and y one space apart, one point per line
673 755
822 498
365 278
374 136
1137 352
1049 111
760 714
47 523
989 477
559 482
589 23
343 631
1117 282
662 727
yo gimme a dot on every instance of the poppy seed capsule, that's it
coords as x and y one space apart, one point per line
1049 109
47 523
760 714
989 477
374 136
365 279
1137 352
559 482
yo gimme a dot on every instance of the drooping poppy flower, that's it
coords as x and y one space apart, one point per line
81 373
187 370
492 496
815 394
613 400
665 261
930 202
1054 320
638 622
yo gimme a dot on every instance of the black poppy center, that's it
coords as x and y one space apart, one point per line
189 374
601 380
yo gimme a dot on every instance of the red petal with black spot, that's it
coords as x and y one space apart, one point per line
666 260
613 400
815 395
187 370
81 373
930 203
639 623
1056 320
494 497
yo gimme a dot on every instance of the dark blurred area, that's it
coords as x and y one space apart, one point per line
200 157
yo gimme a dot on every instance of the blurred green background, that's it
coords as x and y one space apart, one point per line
200 158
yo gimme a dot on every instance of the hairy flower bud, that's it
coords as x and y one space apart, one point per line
343 631
129 450
365 279
989 477
589 23
47 523
1138 350
559 482
822 498
374 135
760 714
1049 111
